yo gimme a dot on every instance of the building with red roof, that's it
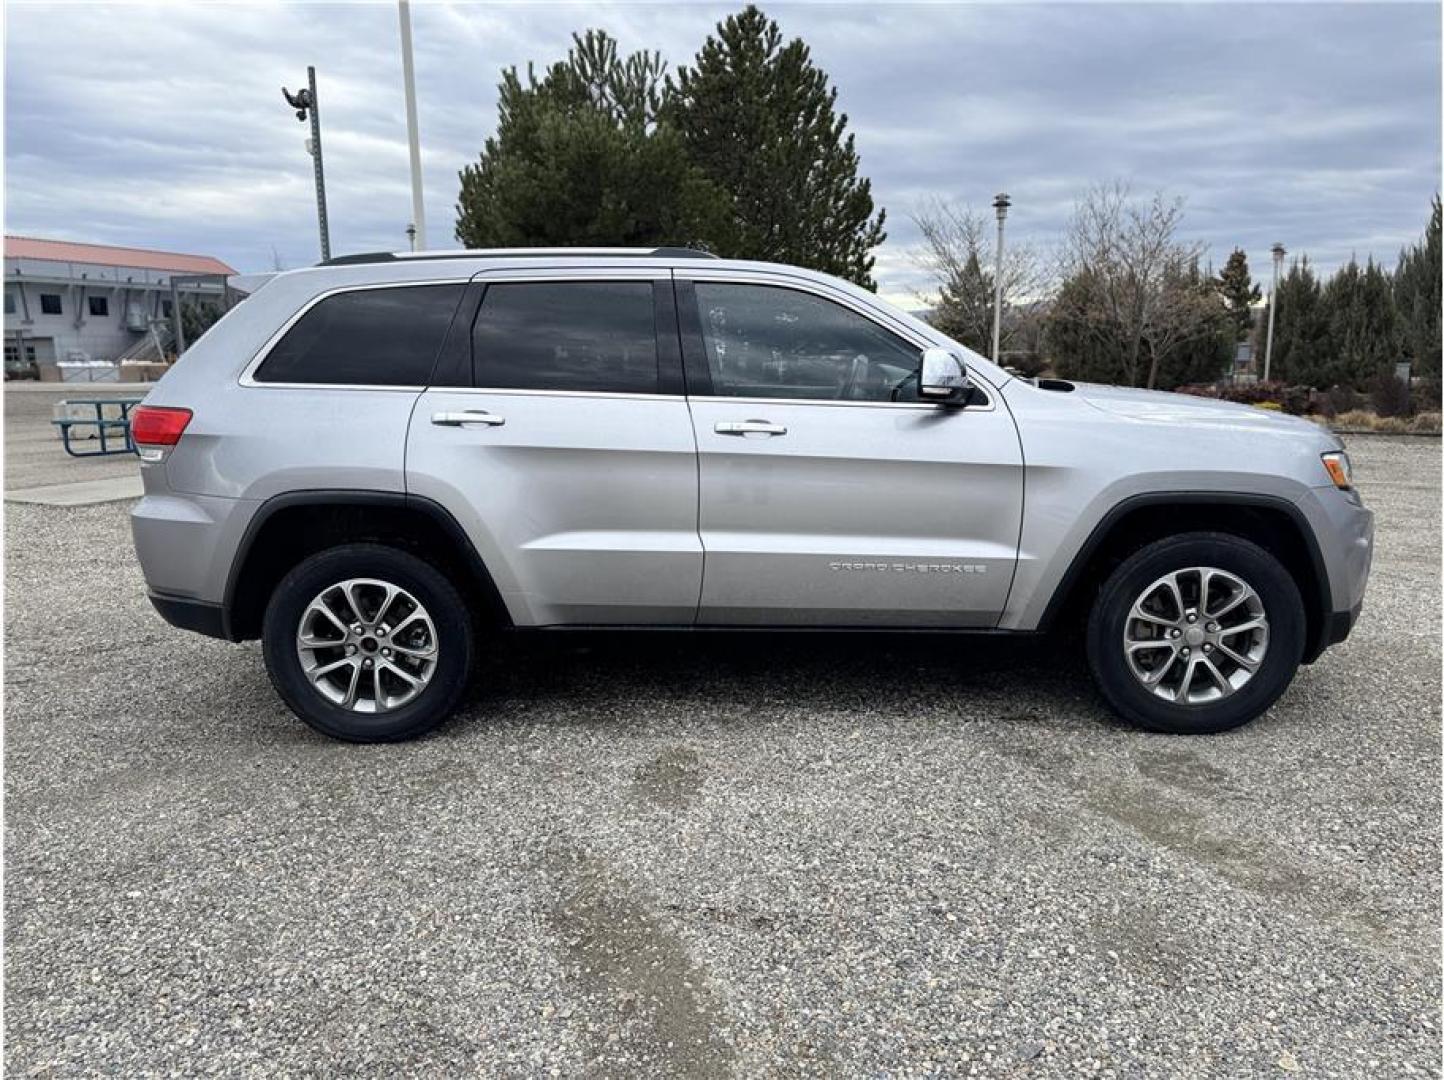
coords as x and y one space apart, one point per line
75 303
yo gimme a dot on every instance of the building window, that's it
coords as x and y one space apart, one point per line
100 306
9 302
12 358
165 308
50 303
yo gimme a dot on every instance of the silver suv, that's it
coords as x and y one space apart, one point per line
371 463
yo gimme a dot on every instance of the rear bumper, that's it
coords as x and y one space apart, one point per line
197 616
185 543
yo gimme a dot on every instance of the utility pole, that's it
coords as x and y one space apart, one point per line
1000 204
1278 250
305 103
413 135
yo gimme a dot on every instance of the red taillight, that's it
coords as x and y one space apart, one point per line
152 425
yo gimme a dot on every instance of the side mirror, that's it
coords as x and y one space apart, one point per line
944 377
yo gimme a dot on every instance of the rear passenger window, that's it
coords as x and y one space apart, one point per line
366 337
573 335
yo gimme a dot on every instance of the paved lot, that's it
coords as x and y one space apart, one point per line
716 855
33 455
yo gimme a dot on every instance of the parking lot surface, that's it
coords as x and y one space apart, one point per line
33 456
713 855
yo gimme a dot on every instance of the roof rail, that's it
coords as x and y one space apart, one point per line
524 253
682 253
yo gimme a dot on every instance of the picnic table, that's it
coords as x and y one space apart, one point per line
107 428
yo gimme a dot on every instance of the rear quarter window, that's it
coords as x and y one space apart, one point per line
366 337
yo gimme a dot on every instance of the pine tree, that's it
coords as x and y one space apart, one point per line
579 158
1417 297
1239 292
759 120
1363 325
1080 344
964 310
1302 349
1208 333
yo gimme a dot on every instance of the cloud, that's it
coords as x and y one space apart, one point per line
164 125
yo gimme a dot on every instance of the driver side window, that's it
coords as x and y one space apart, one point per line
767 341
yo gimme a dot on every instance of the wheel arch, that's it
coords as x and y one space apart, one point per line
290 527
1272 522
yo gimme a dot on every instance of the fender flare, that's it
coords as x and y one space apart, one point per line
1321 636
398 500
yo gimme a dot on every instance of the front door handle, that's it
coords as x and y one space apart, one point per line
470 416
748 427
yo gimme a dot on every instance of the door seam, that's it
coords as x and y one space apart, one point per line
696 449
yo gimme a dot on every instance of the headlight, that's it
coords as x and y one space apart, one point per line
1339 469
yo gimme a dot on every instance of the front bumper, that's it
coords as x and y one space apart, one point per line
1344 529
1340 623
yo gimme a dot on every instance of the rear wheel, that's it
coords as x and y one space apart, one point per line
368 643
1195 634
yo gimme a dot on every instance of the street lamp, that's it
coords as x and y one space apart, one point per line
1000 204
305 103
1278 250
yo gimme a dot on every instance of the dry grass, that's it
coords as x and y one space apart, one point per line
1426 423
1362 420
1355 418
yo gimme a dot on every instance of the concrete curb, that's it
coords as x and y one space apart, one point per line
80 492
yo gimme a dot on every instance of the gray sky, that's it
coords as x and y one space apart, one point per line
1316 125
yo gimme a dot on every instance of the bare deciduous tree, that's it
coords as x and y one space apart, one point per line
959 252
1130 255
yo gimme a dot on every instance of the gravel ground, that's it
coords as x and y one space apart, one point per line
717 855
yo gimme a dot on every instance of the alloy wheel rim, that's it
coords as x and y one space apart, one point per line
1196 636
367 645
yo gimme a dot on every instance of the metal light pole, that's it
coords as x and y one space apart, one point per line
1000 204
413 135
1278 250
305 102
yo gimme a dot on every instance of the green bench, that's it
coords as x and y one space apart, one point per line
107 429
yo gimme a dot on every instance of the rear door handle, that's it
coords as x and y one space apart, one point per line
470 416
748 427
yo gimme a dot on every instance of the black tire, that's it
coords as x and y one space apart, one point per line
454 643
1108 620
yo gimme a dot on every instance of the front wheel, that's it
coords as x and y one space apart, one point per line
1196 634
367 643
